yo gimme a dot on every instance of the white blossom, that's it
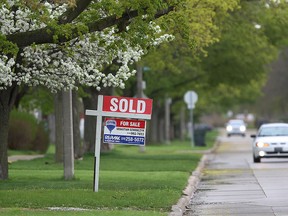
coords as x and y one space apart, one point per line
81 62
6 75
257 26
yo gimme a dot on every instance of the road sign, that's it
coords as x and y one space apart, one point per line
190 98
124 131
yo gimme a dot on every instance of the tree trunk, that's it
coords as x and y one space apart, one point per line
182 124
7 98
58 127
76 125
68 136
4 126
154 123
161 129
90 102
90 123
167 120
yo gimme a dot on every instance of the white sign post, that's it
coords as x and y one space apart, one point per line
118 107
190 99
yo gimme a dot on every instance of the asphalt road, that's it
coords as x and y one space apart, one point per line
232 184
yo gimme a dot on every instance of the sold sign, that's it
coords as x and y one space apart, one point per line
119 107
127 105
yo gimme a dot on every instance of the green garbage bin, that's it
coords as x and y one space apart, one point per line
199 136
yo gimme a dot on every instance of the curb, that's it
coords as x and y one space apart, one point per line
193 181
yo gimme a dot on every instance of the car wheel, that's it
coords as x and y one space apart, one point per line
256 159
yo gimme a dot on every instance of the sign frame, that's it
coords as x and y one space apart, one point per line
125 112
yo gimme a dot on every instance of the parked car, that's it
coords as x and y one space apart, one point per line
270 141
236 127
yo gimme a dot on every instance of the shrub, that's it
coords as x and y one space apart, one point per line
25 133
41 141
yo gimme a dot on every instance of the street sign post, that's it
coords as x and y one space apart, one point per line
117 107
190 99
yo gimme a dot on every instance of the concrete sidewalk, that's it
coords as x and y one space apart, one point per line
23 157
180 208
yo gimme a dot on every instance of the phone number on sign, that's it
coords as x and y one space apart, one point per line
130 140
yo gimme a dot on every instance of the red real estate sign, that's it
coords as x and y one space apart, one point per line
127 105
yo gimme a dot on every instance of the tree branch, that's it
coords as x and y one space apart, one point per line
73 12
45 35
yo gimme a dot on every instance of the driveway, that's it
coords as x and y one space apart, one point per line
232 184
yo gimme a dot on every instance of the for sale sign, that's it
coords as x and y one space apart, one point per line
124 131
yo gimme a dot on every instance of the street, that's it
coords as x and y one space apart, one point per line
232 184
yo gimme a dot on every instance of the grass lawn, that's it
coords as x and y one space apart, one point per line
130 183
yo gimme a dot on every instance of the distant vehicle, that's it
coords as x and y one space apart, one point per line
270 141
236 127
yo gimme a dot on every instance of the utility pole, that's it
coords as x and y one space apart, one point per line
140 93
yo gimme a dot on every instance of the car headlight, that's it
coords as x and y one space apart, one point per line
229 128
242 128
261 153
262 144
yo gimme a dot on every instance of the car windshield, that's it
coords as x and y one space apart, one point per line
236 122
274 131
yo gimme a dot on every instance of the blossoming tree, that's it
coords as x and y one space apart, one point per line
64 44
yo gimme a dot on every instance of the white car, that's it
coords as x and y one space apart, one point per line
270 141
236 127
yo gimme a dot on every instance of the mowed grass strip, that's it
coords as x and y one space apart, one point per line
130 183
40 212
